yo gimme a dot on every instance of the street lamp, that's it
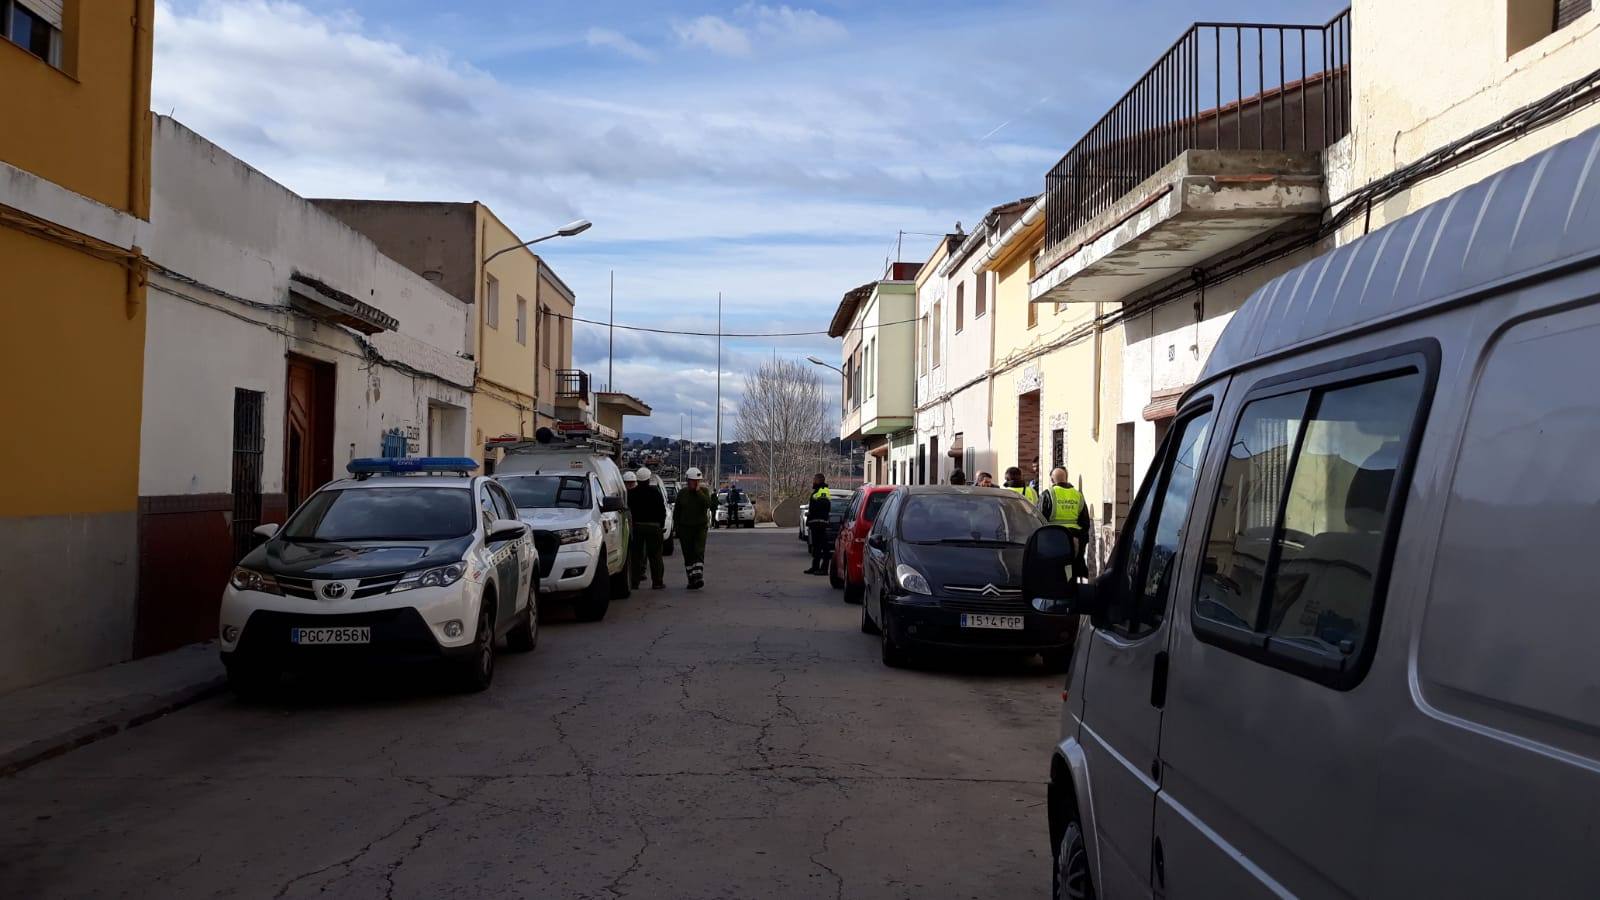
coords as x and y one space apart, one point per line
844 445
567 230
813 360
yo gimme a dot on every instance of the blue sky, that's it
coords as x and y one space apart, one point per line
769 151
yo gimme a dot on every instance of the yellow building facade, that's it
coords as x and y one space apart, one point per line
74 205
1056 380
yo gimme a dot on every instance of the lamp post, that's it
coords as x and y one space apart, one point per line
842 410
567 230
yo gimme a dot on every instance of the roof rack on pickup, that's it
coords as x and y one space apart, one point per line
565 437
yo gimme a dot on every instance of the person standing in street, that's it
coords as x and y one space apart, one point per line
817 524
631 482
735 500
1014 482
649 526
985 479
1064 505
691 519
958 477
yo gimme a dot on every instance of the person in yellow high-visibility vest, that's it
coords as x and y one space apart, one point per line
1015 483
1063 504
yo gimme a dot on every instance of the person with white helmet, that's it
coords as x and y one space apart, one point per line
649 526
691 516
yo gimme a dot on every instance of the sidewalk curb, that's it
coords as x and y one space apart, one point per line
39 751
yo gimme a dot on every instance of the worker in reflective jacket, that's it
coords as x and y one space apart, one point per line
1014 482
817 525
1063 504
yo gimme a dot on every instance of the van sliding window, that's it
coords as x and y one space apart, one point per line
1295 555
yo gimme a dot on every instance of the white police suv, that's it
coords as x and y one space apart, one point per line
411 560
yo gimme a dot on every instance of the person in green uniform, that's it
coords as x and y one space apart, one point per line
1063 504
691 519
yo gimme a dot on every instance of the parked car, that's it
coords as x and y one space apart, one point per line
568 516
1344 644
850 545
944 570
747 511
399 564
585 562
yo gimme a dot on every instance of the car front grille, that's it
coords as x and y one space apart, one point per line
984 599
377 584
547 544
296 587
371 586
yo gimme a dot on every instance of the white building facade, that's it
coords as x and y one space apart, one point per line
280 345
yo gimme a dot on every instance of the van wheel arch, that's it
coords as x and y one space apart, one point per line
1062 804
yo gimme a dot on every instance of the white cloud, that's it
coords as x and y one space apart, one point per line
798 25
716 34
616 40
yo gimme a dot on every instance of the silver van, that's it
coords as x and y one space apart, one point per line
1347 642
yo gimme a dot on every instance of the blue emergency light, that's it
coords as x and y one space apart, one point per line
411 465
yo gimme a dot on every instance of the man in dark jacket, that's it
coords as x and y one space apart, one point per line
735 500
649 510
817 525
691 519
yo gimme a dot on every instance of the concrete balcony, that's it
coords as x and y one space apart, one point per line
1201 204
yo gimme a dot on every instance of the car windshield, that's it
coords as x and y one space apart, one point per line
839 503
967 518
874 503
547 491
383 514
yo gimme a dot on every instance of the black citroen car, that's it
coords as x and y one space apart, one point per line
943 569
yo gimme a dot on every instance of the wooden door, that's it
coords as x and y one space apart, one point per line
307 429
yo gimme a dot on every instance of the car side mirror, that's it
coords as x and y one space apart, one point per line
265 532
507 530
612 504
877 542
1047 579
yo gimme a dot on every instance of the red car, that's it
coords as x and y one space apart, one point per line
850 546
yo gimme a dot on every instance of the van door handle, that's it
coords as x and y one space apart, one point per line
1158 681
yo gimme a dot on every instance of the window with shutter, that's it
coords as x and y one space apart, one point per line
1568 11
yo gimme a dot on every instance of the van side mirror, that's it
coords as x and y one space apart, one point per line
613 504
1047 580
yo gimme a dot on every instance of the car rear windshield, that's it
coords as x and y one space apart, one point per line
839 503
383 514
547 491
967 518
875 502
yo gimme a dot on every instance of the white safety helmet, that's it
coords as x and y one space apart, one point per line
629 478
644 473
692 474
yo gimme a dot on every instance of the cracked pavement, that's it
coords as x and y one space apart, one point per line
739 742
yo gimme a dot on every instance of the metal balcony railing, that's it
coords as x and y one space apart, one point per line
572 384
1223 86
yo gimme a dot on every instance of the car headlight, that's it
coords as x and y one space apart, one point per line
910 580
250 580
443 576
572 535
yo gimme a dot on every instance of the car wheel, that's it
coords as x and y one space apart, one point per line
251 684
853 592
524 636
596 599
867 625
894 655
1071 877
834 581
666 547
620 588
477 671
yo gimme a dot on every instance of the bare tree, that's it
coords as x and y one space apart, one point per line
783 421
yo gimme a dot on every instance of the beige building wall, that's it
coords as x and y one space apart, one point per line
1428 72
555 306
505 402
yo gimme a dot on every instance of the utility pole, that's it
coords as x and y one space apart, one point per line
716 465
611 337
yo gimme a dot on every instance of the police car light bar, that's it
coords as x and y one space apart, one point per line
410 465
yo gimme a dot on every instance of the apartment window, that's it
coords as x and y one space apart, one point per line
980 297
1293 575
35 26
1058 448
491 303
872 368
938 320
522 321
961 307
1033 314
922 351
249 445
1530 21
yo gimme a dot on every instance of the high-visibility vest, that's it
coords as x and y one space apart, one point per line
1028 493
821 492
1066 502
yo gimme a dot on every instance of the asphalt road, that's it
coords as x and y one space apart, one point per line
740 742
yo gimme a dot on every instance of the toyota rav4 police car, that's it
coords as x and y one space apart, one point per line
411 560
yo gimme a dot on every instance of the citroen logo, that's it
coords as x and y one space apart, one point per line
333 591
990 590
